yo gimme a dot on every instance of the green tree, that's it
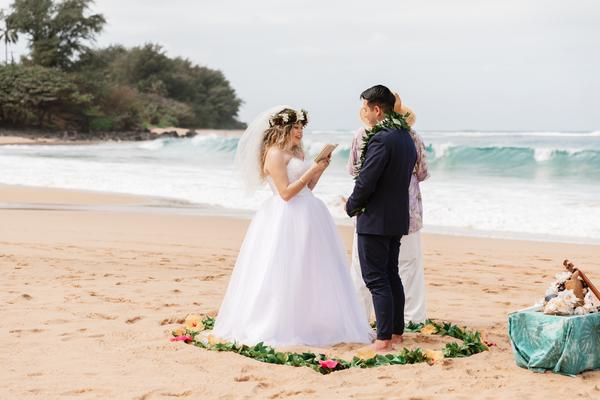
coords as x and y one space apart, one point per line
8 33
145 67
208 94
58 32
42 97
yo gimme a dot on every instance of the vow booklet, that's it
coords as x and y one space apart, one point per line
325 152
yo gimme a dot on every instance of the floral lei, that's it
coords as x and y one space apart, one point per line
393 120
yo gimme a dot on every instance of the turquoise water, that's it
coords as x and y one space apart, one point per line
508 184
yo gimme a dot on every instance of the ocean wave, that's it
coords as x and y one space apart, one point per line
152 144
442 154
565 162
541 134
212 143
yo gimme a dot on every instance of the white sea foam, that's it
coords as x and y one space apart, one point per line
464 200
200 139
152 144
543 154
440 149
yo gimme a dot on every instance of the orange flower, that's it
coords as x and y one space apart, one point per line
366 353
212 340
179 331
428 329
193 322
433 356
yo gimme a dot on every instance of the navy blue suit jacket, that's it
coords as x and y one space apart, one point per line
382 185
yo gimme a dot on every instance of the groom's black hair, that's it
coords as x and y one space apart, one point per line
381 96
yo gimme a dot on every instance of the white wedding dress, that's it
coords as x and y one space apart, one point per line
291 283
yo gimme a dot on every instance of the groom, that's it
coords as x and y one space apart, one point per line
380 202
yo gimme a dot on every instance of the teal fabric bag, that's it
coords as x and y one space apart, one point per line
567 345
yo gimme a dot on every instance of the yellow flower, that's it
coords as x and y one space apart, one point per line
428 329
179 331
212 340
433 356
193 322
365 353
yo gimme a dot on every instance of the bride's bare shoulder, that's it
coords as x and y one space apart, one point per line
277 155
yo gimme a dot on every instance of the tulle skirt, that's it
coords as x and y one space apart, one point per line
291 283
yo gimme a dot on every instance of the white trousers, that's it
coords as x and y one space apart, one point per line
410 269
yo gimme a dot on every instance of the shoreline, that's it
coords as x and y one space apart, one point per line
13 197
32 137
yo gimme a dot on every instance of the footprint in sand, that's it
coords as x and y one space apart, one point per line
101 316
287 393
133 320
172 320
56 321
97 336
77 391
182 394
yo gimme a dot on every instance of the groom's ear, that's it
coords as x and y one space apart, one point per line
378 110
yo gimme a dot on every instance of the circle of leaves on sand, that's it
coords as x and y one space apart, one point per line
472 343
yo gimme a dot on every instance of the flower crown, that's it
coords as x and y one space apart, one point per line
288 116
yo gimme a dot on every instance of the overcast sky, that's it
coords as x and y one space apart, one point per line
478 64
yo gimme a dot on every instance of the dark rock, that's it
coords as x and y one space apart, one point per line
550 297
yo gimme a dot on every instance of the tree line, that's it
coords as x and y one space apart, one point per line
64 83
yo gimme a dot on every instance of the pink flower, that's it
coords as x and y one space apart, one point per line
182 338
331 364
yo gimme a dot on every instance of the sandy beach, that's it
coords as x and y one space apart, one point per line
89 298
4 140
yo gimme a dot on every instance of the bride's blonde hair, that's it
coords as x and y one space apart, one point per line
280 137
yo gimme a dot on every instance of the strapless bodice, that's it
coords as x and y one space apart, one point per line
295 169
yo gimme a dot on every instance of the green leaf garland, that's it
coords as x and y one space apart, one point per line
471 344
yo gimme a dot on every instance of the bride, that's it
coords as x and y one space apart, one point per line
291 284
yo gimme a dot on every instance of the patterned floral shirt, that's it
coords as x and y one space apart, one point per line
420 173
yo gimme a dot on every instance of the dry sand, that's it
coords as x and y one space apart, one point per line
89 299
24 140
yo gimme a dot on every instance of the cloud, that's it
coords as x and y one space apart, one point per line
514 57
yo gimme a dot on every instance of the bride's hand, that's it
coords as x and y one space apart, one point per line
321 165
